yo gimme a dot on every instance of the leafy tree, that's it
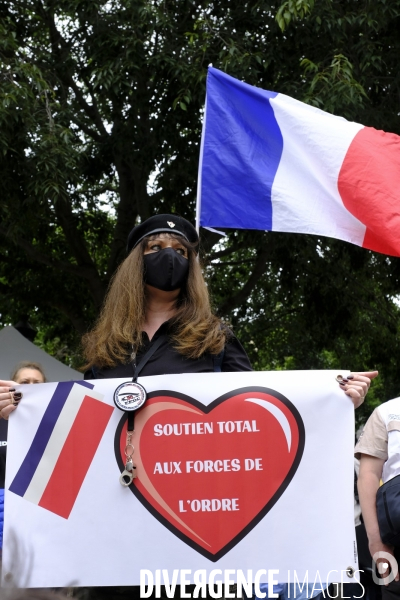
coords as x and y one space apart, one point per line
100 121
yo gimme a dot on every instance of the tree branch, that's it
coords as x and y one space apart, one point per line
77 244
134 200
89 109
233 263
65 75
89 273
227 251
248 287
65 307
90 132
38 256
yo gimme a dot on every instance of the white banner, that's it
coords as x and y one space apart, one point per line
235 471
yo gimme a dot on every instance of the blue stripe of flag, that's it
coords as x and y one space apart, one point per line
29 465
242 148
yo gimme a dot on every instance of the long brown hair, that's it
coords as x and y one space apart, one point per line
194 328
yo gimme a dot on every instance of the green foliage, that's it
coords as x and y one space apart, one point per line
332 83
293 10
100 123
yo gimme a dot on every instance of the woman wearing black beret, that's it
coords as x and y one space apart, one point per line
158 297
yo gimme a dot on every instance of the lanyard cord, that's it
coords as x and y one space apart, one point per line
145 359
137 368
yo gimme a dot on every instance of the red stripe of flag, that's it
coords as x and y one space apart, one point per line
76 457
369 184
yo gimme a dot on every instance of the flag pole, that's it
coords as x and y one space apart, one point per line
198 199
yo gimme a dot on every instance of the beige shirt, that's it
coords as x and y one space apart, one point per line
374 438
381 438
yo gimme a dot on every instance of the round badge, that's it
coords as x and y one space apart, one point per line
129 396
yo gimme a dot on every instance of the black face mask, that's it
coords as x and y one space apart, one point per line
165 270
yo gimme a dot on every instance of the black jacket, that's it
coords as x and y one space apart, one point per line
167 361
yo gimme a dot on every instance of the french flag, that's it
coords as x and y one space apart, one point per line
271 162
63 448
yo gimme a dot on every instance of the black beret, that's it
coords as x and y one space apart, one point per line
162 223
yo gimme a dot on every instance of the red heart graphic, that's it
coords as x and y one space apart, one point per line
211 473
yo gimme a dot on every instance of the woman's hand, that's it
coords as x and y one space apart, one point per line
9 398
356 385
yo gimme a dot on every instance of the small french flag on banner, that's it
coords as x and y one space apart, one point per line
270 162
63 448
